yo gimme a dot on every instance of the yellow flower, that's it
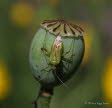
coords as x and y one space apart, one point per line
53 3
5 81
107 81
21 14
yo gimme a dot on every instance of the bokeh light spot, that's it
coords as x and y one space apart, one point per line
53 3
21 14
107 80
5 81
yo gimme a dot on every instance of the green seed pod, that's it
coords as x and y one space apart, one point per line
56 52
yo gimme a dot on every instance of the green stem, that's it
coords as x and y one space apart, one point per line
44 98
44 101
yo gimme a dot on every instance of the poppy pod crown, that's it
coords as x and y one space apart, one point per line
62 28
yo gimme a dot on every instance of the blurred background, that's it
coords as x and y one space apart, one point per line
90 87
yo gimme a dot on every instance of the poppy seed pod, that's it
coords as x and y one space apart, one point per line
56 52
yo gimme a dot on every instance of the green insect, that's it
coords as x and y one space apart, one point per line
56 58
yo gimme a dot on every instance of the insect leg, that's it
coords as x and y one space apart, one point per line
44 50
47 70
60 80
44 47
69 60
64 54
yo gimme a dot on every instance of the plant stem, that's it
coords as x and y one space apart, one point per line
44 98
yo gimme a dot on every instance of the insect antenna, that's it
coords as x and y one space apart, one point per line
61 81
